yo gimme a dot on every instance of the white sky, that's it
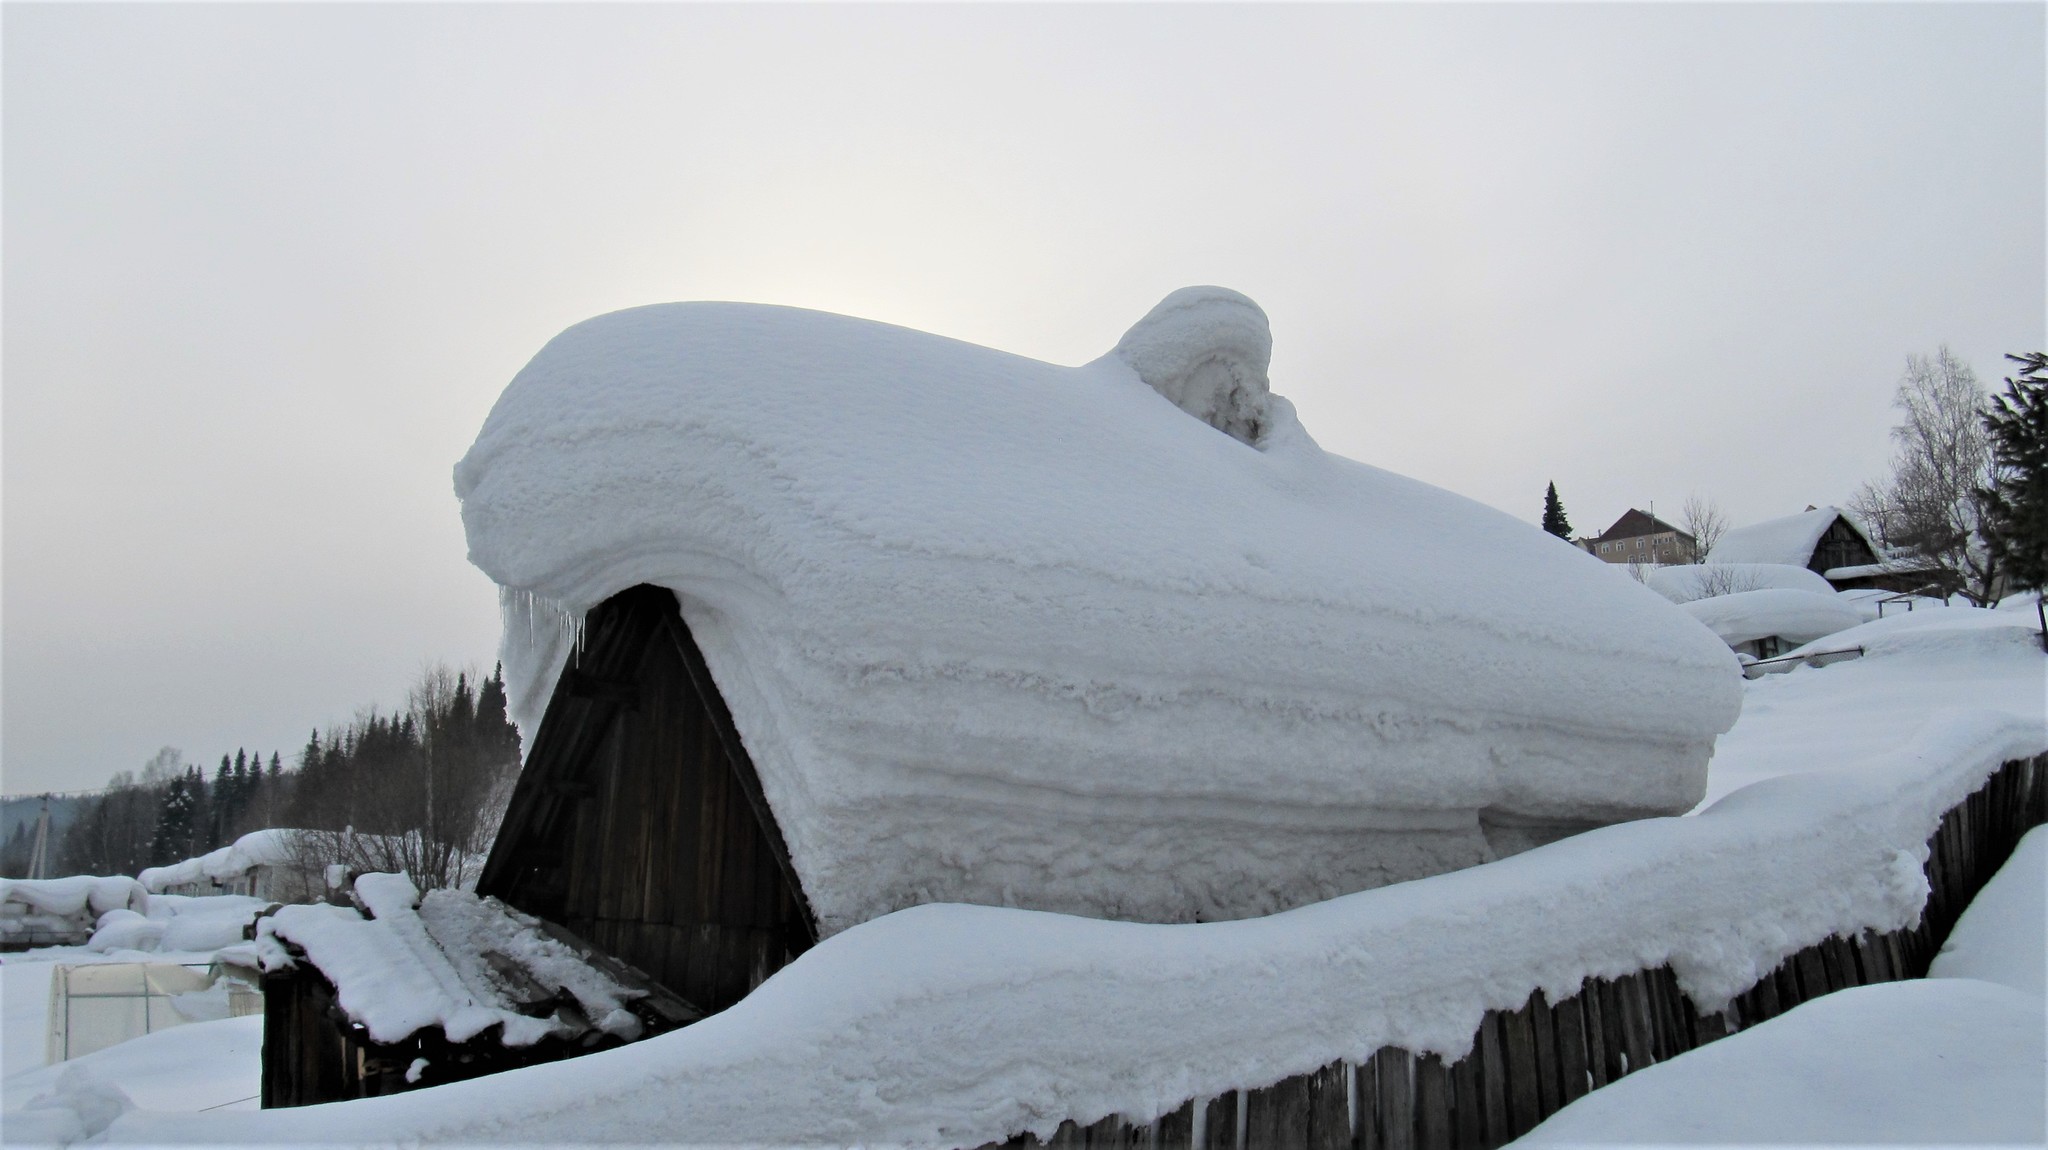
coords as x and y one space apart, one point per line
266 268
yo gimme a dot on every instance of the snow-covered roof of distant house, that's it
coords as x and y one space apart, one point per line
449 960
1793 615
1789 539
1634 523
268 847
1686 582
998 630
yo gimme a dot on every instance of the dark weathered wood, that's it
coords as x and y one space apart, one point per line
1598 1053
1365 1116
1175 1130
1569 1019
1396 1099
1468 1103
1329 1108
1277 1115
1518 1057
1543 1016
1220 1116
1433 1126
1493 1076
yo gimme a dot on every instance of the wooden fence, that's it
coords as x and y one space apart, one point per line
1525 1064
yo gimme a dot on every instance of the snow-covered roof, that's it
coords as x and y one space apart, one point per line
268 847
1793 615
998 630
1789 539
1686 582
412 963
75 895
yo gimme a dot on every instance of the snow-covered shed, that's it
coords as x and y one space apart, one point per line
263 864
62 911
401 990
811 618
1825 540
1766 622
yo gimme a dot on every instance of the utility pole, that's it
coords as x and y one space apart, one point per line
39 854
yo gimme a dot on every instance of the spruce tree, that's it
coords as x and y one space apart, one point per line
1553 514
2015 505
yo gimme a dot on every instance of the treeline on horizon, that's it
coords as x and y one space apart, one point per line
433 774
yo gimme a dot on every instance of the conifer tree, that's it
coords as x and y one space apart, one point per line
2015 504
1553 514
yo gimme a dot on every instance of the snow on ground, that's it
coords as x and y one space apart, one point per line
196 1067
1955 1058
2003 935
1115 639
24 1013
1926 1062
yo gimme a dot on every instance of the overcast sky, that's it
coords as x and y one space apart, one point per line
266 268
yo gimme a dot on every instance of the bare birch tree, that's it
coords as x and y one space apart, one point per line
1929 506
1705 522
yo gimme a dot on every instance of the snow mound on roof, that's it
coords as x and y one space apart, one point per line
1683 584
1206 349
76 895
1795 616
1789 539
269 847
996 630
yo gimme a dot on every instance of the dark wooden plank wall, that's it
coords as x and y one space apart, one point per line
1527 1063
638 821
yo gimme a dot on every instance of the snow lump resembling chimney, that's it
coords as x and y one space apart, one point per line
1206 349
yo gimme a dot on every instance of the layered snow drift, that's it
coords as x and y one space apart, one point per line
1683 584
1116 639
1797 616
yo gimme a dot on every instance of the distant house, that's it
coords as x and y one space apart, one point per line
1640 537
1825 540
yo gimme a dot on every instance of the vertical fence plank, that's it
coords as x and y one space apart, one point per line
1329 1108
1220 1122
1541 1015
1570 1019
1277 1115
1468 1109
1396 1099
1175 1129
1365 1116
1518 1050
1432 1104
1493 1078
1597 1049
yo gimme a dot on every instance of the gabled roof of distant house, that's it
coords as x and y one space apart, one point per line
1788 539
1635 523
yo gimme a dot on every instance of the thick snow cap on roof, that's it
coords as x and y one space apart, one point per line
995 630
1790 539
1798 616
1683 584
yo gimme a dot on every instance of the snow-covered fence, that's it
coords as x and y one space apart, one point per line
1526 1064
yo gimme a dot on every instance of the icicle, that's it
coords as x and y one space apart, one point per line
522 610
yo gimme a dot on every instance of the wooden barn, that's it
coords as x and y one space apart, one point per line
639 822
